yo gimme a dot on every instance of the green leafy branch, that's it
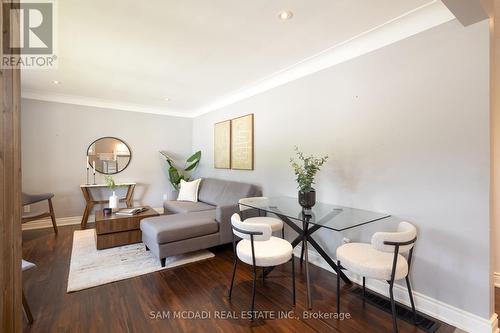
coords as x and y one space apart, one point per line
305 170
110 182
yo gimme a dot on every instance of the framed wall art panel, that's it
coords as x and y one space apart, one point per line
222 145
242 143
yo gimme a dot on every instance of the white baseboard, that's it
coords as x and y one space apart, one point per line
449 314
62 221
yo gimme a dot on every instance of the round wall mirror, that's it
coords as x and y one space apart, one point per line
111 155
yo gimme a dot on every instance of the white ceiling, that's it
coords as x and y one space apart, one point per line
133 54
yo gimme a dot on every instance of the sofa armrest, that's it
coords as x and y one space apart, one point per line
223 217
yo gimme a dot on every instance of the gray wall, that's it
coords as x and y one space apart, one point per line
407 131
55 138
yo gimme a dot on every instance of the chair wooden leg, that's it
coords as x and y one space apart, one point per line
52 216
27 310
283 232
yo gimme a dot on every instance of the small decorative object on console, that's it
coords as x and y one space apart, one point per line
107 211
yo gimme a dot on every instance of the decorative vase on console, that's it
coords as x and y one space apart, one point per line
113 202
305 170
113 199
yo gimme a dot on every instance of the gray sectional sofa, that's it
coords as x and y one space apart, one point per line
190 226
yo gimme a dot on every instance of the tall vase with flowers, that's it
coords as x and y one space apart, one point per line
305 169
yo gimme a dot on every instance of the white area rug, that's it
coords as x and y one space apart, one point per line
90 267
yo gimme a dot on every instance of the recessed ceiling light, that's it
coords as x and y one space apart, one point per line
285 15
166 99
56 82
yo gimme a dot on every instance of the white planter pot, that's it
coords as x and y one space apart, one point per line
113 202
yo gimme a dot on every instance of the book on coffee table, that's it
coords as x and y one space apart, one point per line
131 211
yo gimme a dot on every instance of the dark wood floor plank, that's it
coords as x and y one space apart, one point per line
126 306
497 300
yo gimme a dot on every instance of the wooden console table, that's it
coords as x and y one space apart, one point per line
87 194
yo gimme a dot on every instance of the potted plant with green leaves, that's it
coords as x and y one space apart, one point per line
175 173
113 199
305 170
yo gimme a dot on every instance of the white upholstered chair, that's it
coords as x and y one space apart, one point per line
259 249
383 259
26 265
275 223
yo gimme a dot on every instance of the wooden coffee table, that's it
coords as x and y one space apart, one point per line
116 230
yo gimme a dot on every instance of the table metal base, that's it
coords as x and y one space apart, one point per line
304 237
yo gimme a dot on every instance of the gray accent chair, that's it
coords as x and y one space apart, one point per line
190 226
29 199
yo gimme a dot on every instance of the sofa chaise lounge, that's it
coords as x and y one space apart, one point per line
189 226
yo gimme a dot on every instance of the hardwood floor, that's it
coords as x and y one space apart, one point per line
497 300
129 305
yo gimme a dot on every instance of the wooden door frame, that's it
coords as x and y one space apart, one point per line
10 181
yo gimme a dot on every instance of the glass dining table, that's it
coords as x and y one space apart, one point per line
306 223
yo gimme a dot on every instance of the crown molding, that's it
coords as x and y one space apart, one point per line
99 103
411 23
420 19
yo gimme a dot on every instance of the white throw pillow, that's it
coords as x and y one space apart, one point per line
189 190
